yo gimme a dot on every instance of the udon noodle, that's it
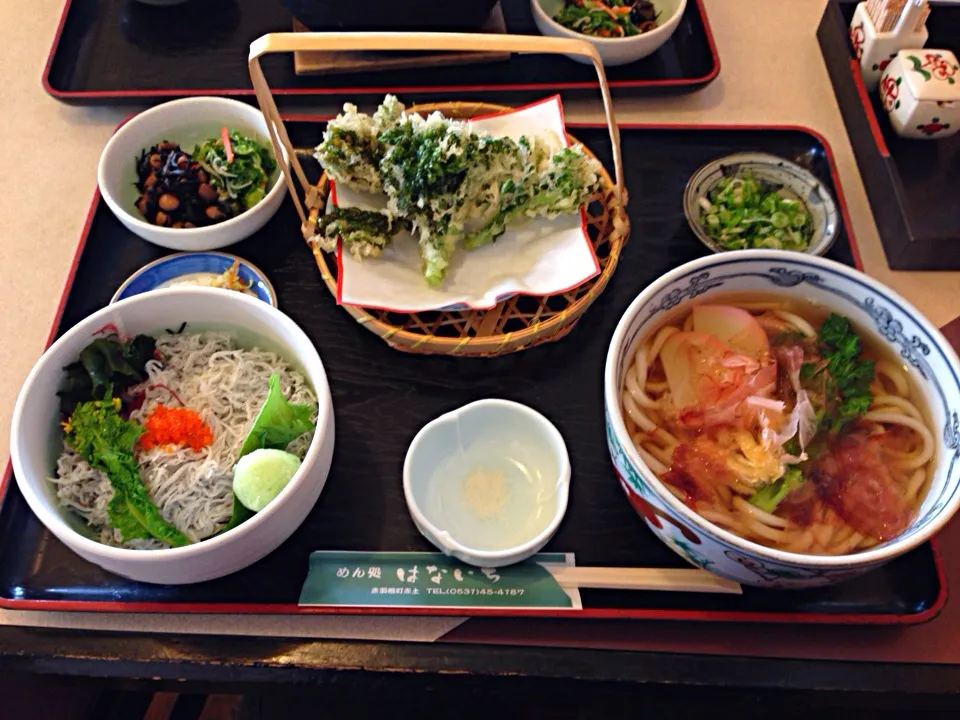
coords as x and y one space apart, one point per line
717 434
225 385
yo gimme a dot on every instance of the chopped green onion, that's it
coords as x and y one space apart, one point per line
743 212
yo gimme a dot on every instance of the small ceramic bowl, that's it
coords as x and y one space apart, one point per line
183 269
488 483
613 51
776 171
877 312
186 122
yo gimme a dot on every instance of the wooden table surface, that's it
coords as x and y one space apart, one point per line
772 72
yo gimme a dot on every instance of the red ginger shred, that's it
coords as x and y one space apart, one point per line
175 426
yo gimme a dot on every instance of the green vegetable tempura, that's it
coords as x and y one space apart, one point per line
741 212
448 183
365 233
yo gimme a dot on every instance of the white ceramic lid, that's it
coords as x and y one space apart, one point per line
931 74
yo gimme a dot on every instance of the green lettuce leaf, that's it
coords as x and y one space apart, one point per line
241 513
278 423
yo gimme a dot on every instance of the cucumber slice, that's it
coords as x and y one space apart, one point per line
260 476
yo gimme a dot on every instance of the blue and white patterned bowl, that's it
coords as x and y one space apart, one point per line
174 269
872 308
824 215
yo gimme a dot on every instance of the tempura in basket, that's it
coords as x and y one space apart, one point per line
454 186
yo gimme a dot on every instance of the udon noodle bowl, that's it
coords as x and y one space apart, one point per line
781 424
223 383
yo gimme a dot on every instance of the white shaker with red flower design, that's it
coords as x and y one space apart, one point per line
920 90
881 28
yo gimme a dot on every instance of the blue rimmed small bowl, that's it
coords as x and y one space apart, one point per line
178 269
774 170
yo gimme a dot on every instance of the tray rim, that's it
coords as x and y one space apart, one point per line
100 95
800 618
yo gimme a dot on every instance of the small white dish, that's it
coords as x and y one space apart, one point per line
613 51
488 483
186 122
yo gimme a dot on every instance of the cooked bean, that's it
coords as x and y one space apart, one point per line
168 202
214 213
155 161
207 192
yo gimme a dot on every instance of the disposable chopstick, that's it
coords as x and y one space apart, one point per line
663 579
924 14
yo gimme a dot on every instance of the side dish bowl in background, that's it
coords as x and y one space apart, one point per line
881 316
613 51
36 441
200 269
488 483
792 180
188 123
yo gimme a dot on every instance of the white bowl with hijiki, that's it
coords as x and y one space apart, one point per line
783 420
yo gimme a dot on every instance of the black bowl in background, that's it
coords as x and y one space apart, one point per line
386 15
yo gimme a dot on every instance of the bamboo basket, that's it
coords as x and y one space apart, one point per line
515 323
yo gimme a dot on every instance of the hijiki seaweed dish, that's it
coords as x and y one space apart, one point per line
173 439
610 19
220 179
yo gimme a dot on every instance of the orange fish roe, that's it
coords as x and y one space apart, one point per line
175 426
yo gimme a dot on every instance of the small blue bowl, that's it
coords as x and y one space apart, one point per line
170 269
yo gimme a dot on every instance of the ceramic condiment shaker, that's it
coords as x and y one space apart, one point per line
920 90
875 47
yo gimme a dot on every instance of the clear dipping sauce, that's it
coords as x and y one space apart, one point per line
491 496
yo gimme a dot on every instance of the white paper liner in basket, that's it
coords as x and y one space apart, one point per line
474 332
540 257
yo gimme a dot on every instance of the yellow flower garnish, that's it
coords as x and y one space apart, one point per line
116 403
67 427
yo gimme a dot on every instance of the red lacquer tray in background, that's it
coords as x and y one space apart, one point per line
362 507
110 50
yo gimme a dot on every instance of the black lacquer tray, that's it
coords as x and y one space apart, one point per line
913 185
109 50
362 505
